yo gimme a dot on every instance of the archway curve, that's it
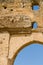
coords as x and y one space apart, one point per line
22 47
24 41
25 45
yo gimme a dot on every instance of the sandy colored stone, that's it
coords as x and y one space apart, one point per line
16 31
4 42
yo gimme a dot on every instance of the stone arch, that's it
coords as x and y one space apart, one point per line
29 43
23 42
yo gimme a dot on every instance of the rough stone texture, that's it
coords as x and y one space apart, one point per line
16 31
4 42
19 42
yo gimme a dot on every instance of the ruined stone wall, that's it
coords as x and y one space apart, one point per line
4 44
16 27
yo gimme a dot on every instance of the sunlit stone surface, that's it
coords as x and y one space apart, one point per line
16 26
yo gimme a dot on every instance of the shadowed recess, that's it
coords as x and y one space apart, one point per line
34 25
35 7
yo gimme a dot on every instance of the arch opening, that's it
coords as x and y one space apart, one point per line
25 45
36 47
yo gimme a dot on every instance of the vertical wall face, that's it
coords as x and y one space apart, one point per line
17 16
4 40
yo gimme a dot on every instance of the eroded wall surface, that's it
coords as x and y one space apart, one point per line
4 42
16 27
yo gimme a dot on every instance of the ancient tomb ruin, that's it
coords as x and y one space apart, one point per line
17 18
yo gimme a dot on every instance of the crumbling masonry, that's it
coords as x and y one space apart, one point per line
16 27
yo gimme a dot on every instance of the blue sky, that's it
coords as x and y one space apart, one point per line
30 55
